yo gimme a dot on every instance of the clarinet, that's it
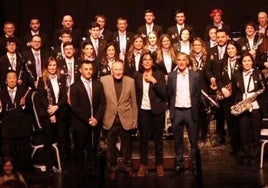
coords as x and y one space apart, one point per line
21 67
29 70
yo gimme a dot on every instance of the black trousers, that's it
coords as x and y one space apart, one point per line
86 148
249 124
151 127
232 124
183 117
112 137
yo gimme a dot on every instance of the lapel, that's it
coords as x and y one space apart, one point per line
240 82
83 90
8 99
93 89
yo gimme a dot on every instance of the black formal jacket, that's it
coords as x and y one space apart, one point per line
43 102
157 92
203 81
30 65
101 48
195 93
107 35
239 88
116 41
64 69
243 44
213 66
174 33
223 78
16 121
5 67
143 31
130 67
81 106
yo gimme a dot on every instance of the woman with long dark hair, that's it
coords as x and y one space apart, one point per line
151 99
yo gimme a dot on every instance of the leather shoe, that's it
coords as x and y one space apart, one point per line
179 170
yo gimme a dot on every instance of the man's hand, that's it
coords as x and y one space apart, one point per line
93 122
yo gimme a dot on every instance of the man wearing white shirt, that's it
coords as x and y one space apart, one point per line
185 98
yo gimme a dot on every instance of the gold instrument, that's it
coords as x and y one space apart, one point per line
245 104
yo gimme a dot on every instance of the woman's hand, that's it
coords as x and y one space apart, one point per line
52 109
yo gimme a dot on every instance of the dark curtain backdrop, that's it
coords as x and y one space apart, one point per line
50 12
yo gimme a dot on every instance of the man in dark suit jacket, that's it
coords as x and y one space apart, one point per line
174 31
67 23
184 100
69 66
149 25
35 57
122 37
16 121
34 29
213 69
88 104
12 60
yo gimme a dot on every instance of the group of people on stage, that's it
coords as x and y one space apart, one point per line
106 84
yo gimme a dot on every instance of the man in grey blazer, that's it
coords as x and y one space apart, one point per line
120 115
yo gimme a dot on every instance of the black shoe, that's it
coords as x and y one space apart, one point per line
179 170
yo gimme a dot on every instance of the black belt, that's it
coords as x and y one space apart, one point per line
182 108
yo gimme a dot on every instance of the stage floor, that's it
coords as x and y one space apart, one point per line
219 170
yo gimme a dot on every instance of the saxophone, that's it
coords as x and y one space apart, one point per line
245 104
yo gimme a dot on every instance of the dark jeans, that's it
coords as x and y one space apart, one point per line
112 137
151 127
